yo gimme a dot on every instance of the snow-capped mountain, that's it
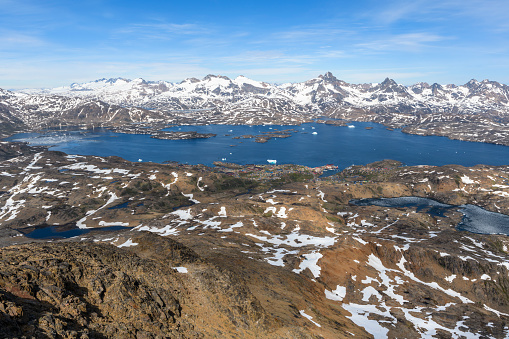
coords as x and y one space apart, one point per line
319 94
219 99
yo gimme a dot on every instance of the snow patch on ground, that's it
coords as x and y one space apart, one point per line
113 223
310 318
180 269
81 223
128 243
466 180
338 294
190 197
164 231
222 212
311 262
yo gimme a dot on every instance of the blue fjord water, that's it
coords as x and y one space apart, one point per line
341 146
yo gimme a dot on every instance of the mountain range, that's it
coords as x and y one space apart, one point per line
219 99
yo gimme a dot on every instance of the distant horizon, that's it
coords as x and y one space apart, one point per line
48 44
241 75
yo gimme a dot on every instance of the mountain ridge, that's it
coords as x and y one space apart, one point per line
217 99
327 77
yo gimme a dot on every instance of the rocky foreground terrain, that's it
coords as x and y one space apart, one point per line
204 253
476 111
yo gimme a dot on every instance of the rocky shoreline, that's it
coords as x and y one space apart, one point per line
266 136
155 131
164 135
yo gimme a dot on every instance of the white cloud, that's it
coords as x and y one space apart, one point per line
311 34
494 14
159 30
13 40
407 42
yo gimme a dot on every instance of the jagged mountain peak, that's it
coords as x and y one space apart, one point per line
213 76
421 85
4 91
472 83
388 82
243 81
190 80
140 81
114 80
328 77
389 86
110 81
436 86
99 83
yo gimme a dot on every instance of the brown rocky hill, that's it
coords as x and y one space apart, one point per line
224 252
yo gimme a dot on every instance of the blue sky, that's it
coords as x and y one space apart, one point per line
49 43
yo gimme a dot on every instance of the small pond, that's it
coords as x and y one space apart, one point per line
475 219
52 232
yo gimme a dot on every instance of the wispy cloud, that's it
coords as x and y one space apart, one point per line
20 7
13 39
160 31
493 14
411 42
391 12
311 34
57 42
276 57
255 57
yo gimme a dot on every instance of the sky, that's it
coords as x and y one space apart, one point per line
50 43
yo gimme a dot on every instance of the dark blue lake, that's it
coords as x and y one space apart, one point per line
341 146
52 232
475 219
